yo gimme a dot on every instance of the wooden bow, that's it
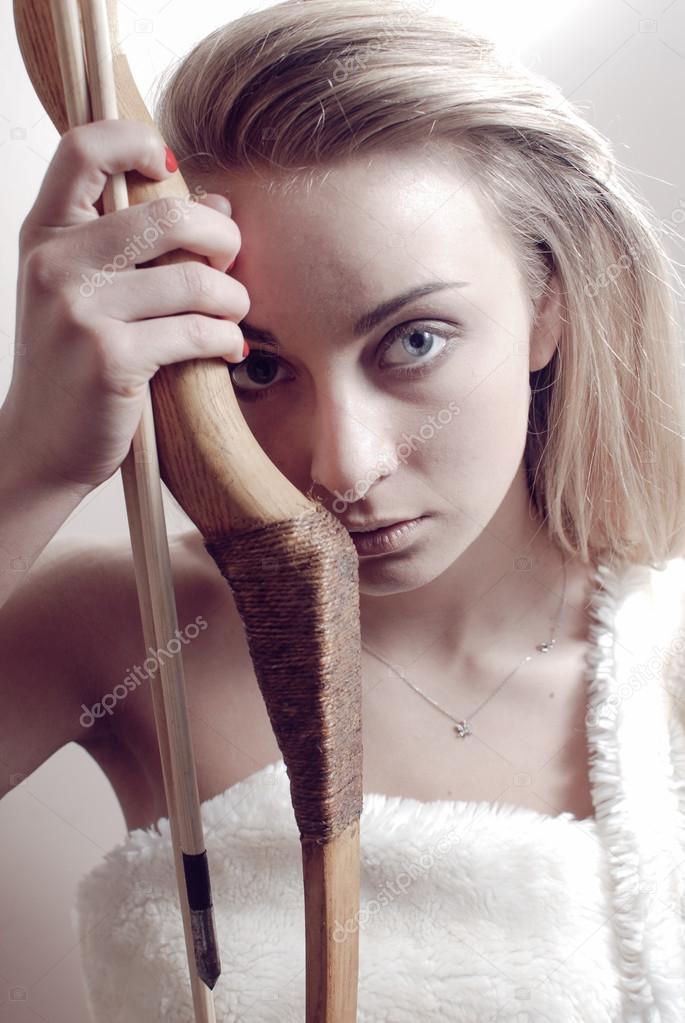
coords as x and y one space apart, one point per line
301 612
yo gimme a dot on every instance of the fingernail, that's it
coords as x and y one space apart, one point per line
171 164
246 350
224 204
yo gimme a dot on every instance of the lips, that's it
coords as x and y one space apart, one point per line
386 540
371 527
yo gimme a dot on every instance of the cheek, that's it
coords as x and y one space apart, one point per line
473 457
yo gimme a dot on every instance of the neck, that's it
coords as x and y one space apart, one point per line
495 601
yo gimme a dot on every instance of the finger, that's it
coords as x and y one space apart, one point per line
189 286
137 235
161 342
223 205
85 157
217 202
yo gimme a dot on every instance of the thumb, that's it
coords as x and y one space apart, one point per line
217 202
220 203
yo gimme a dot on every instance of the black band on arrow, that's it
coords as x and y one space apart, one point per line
196 870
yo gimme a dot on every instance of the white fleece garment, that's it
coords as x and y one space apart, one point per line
471 912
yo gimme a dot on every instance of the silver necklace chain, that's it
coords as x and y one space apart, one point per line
462 727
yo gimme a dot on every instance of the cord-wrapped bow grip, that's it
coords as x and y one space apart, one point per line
296 589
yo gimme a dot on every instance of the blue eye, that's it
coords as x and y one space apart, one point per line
419 350
415 335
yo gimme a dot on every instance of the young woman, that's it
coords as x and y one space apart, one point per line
459 320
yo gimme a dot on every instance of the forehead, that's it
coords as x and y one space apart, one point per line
392 191
371 224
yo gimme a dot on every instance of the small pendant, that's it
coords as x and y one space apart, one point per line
544 647
462 729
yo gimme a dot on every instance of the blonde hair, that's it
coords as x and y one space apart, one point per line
294 89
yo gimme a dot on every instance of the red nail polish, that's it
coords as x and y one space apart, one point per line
246 350
171 164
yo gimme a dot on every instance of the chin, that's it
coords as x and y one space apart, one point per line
410 575
445 540
404 570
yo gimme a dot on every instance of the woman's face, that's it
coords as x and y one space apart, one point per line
397 409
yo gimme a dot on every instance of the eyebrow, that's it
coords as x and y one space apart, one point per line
369 320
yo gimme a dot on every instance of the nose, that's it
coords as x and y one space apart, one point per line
352 446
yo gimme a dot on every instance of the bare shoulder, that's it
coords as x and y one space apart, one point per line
208 623
47 629
76 668
230 729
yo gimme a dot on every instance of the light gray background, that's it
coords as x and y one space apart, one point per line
622 63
